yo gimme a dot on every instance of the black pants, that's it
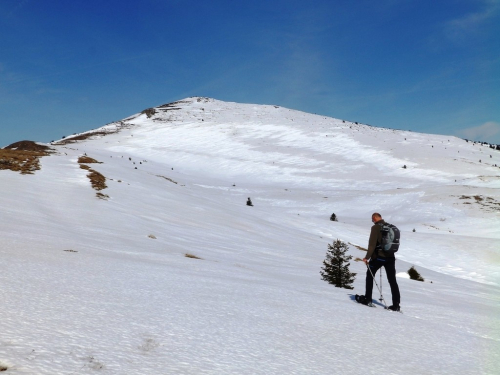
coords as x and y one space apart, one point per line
390 269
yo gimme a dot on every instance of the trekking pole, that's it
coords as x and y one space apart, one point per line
381 296
369 269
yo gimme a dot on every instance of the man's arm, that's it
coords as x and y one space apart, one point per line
372 242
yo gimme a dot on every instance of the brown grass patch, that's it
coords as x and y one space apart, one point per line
149 112
358 247
95 133
487 203
87 160
101 195
81 137
188 255
97 180
23 157
166 178
28 146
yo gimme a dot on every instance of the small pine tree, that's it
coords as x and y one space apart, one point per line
335 268
414 275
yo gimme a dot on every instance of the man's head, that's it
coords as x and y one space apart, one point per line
376 217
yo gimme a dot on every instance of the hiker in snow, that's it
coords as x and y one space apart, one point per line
249 202
376 258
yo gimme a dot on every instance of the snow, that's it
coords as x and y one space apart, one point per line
126 299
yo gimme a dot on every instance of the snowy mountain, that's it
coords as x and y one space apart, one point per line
130 249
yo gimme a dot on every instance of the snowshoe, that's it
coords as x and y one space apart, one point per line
362 300
394 308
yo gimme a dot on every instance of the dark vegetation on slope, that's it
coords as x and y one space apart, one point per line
485 202
94 133
81 137
414 274
23 156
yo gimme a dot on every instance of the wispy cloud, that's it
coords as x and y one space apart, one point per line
469 23
19 5
487 132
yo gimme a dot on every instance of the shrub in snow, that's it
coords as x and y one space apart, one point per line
149 112
333 217
335 268
414 275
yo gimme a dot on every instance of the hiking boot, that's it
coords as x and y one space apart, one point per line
363 300
393 308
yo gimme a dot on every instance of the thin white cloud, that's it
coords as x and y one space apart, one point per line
469 23
487 132
19 5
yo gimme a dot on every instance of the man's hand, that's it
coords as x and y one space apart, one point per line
365 260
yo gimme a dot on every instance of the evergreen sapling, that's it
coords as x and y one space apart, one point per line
414 274
335 268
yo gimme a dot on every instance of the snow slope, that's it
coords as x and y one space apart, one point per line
126 299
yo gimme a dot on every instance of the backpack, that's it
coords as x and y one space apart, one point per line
390 239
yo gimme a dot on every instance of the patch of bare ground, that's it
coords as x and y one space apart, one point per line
149 112
102 196
97 180
173 104
166 178
192 256
23 156
95 133
487 203
87 160
358 247
431 226
81 137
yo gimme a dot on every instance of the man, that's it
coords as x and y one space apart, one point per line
375 259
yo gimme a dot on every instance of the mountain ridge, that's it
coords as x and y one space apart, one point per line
134 251
233 145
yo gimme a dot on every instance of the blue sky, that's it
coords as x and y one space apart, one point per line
427 66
